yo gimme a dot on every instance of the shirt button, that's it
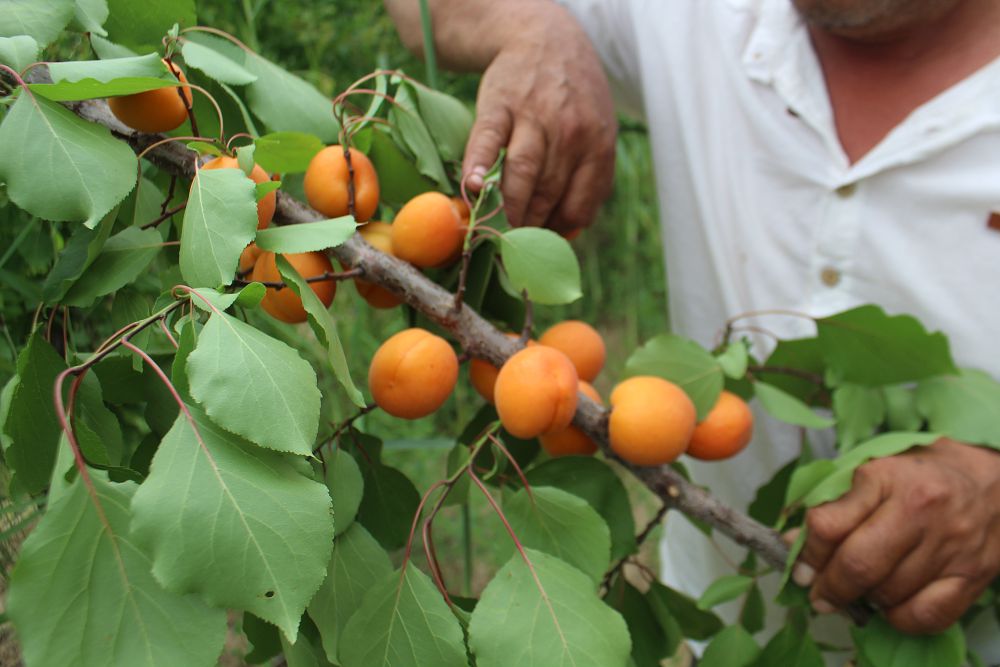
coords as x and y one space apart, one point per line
830 276
846 191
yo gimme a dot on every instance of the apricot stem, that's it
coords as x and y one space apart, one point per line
323 277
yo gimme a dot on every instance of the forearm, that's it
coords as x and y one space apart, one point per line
468 34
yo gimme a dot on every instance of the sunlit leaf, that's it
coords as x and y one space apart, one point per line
82 561
683 362
237 524
270 96
307 236
403 622
542 263
43 21
545 614
288 152
18 52
215 64
963 407
254 385
60 167
787 408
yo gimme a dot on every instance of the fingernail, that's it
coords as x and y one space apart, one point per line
823 607
476 176
803 574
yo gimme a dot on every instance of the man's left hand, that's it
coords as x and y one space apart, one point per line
918 534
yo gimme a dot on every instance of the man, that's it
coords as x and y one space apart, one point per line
810 155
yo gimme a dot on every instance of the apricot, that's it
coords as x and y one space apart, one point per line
248 258
462 208
412 373
428 231
725 430
651 421
581 343
284 304
572 441
536 392
379 236
326 184
483 374
159 110
266 205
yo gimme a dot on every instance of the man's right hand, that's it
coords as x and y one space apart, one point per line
543 96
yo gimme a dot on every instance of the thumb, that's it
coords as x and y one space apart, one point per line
489 134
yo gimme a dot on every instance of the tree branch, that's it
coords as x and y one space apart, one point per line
476 335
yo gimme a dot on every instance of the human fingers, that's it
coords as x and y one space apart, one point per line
936 606
867 557
522 169
490 132
589 186
829 524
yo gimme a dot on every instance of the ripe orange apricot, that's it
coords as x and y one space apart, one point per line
462 208
572 440
483 374
536 392
159 110
581 343
284 304
725 430
326 184
413 373
379 235
651 421
248 258
265 207
428 231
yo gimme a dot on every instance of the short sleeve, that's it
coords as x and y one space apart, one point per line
610 24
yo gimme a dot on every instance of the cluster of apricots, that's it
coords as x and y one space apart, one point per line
652 421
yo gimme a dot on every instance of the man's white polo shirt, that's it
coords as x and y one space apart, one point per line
761 208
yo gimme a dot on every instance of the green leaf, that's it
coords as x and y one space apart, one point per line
90 16
87 89
806 478
752 613
963 407
804 354
732 647
82 561
839 481
270 95
869 347
60 167
346 485
105 71
693 622
409 130
357 565
651 643
18 52
447 119
859 411
79 253
387 507
236 524
31 426
216 65
323 325
43 21
403 622
398 178
97 428
770 499
287 152
901 409
307 236
561 524
593 480
724 589
265 638
683 362
542 263
790 648
734 359
881 645
219 221
107 50
547 614
145 24
122 259
787 408
255 386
